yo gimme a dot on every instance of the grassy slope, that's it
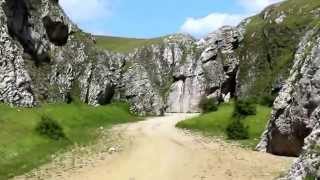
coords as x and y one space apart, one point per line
268 48
215 123
22 149
124 45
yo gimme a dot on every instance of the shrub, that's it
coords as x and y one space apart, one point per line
267 100
311 177
50 128
237 131
244 108
208 105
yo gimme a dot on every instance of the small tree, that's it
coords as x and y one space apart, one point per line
208 105
50 128
244 107
237 131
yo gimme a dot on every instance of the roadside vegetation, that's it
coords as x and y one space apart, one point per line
232 121
29 137
208 105
124 45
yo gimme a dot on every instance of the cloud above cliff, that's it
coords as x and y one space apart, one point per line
146 19
255 6
201 26
88 13
85 11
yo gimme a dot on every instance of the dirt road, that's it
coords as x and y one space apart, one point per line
155 150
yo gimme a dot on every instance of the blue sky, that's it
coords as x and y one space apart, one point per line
154 18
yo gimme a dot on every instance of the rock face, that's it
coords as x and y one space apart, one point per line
270 42
47 58
175 74
276 57
296 111
15 82
212 74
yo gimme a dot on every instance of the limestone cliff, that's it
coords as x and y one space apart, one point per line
47 58
293 129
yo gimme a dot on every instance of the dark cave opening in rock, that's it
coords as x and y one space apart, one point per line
288 145
57 32
235 44
179 78
18 23
106 96
230 85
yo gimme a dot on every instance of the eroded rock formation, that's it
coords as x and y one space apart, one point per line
296 111
47 58
58 62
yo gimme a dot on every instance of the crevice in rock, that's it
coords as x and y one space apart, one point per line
235 44
230 85
131 96
276 89
278 113
106 96
226 68
17 12
211 90
18 23
179 78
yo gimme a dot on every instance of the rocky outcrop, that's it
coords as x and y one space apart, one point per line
308 164
212 74
296 111
180 71
139 91
270 42
15 81
46 58
52 60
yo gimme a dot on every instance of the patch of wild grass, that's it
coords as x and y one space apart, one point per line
30 136
216 123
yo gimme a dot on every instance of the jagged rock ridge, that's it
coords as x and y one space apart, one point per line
54 61
47 58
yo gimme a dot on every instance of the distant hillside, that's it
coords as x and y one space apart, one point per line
122 44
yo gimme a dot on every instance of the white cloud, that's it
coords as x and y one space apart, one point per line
87 12
255 6
199 27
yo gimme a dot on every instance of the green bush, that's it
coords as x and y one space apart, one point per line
244 107
311 177
237 131
208 105
267 100
50 128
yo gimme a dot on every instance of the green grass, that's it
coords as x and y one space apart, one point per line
215 123
22 148
124 45
311 177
